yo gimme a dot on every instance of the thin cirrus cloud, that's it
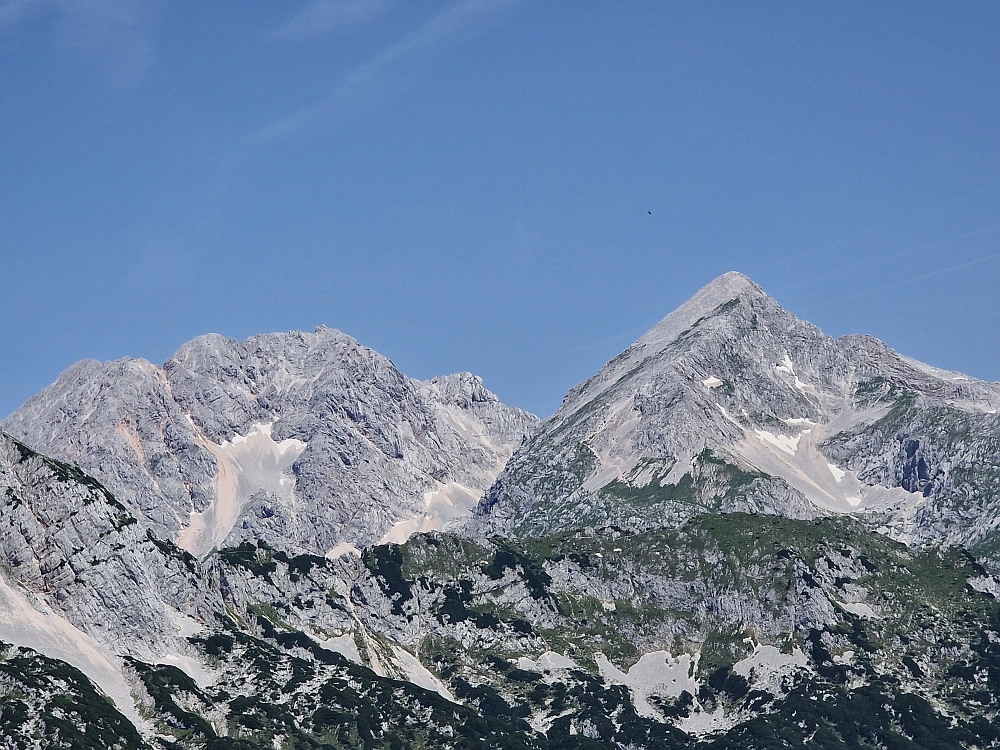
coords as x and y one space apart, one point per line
326 17
373 82
112 33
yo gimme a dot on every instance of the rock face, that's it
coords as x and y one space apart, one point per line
694 553
733 404
83 581
307 440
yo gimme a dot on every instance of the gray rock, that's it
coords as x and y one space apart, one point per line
307 440
732 403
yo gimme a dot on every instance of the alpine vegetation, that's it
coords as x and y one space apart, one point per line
739 533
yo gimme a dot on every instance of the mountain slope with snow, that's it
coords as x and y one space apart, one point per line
308 440
739 533
732 403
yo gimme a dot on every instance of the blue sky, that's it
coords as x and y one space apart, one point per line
466 185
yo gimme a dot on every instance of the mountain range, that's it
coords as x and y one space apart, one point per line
740 532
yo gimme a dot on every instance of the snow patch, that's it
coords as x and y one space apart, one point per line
845 658
788 444
728 416
700 723
186 626
418 674
788 368
34 625
860 609
767 665
657 673
799 462
344 644
444 507
986 585
786 365
550 661
191 667
344 548
711 382
247 464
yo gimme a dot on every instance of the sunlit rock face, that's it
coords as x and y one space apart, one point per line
308 440
695 551
733 404
82 581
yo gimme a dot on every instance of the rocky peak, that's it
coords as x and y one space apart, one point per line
731 402
714 298
309 441
462 389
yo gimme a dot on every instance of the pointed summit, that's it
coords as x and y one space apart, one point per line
724 289
720 299
732 403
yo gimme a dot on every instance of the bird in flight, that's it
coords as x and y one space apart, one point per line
650 213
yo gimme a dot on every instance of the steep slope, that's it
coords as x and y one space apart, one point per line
309 440
46 703
110 637
732 403
82 581
732 631
695 552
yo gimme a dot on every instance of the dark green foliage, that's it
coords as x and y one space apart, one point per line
509 557
300 565
654 493
257 558
172 550
216 644
724 680
453 607
67 709
386 563
488 701
818 715
933 643
695 491
165 683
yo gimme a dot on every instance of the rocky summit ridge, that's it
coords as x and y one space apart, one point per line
739 533
731 403
309 440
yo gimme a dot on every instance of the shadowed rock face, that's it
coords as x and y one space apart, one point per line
308 440
731 403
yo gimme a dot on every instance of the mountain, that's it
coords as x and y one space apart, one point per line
739 533
733 404
309 440
734 630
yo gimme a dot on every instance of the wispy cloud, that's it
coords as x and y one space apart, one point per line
375 80
929 275
112 33
324 17
115 33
